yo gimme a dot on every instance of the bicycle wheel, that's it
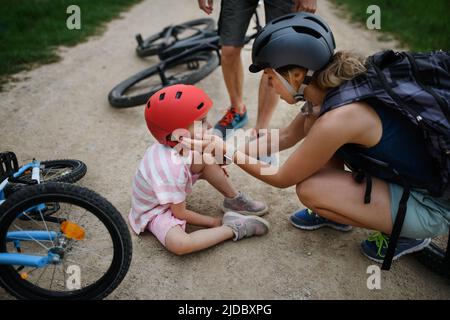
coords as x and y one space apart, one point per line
137 89
156 43
433 256
67 170
86 241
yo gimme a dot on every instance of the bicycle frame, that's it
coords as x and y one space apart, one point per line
34 166
16 237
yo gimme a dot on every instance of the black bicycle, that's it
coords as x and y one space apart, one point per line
188 52
167 37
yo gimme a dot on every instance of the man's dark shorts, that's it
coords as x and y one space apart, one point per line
235 16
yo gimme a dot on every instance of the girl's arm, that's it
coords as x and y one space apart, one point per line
180 212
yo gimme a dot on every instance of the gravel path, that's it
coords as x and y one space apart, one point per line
61 111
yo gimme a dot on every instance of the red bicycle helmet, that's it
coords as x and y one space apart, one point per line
175 107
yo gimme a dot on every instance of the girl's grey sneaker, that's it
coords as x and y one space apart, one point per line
245 226
243 204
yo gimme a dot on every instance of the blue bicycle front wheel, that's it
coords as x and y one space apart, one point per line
81 251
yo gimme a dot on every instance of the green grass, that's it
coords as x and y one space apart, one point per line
30 30
422 25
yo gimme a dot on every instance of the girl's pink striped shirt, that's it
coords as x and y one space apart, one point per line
162 178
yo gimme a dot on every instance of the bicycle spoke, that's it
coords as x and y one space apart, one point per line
37 241
81 217
89 251
42 273
77 263
53 277
46 227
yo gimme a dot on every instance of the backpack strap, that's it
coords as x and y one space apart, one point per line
397 228
359 174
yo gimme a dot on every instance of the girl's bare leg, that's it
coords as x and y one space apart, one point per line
180 242
215 175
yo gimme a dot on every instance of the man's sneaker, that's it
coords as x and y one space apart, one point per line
232 120
306 219
243 204
245 226
375 246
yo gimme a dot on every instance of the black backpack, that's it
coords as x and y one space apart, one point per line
416 85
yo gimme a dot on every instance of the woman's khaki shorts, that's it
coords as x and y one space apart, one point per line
426 217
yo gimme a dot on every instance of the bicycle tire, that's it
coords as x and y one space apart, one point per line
433 257
83 197
77 170
150 45
118 98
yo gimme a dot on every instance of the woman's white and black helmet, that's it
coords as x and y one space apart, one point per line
297 39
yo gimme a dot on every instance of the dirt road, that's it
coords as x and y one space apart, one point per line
61 111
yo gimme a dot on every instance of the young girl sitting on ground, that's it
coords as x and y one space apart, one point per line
165 177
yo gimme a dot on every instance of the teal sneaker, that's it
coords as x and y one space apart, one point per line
376 244
231 121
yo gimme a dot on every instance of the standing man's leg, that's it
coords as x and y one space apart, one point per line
235 16
233 75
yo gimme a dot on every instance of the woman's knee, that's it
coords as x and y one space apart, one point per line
309 190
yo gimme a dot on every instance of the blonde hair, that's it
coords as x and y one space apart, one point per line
344 66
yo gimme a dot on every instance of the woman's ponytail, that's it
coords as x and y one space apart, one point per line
345 65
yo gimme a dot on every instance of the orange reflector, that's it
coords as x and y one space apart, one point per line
24 275
72 231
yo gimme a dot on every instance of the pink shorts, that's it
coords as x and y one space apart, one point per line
162 223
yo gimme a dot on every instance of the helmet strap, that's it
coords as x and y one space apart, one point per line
300 94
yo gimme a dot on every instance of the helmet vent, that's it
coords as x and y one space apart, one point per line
318 22
148 104
161 96
283 18
305 30
178 95
262 44
200 106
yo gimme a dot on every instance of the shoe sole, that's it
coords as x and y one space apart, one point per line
245 213
411 250
265 222
318 226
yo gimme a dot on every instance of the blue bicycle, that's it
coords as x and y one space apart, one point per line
58 240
